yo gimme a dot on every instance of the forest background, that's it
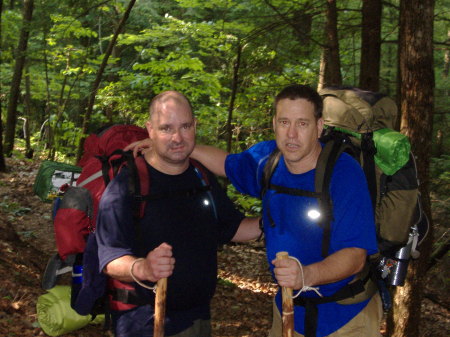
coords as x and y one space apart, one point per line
70 67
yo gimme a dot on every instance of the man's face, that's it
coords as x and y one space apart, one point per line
172 130
296 133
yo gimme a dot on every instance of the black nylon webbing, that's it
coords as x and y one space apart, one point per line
369 150
310 304
127 296
294 191
324 170
189 192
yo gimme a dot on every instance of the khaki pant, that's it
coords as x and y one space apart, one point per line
365 324
200 328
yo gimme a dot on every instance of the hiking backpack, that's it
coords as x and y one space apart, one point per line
76 212
362 123
75 209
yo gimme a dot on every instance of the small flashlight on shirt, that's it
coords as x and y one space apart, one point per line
313 214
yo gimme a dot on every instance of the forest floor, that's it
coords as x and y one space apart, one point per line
243 301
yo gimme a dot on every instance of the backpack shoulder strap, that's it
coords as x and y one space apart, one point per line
141 183
111 162
368 151
269 168
201 171
324 169
203 175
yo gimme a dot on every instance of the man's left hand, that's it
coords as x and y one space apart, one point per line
287 273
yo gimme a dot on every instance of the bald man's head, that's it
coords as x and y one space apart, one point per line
168 96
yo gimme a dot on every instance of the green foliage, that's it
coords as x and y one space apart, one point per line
190 46
250 206
66 27
440 175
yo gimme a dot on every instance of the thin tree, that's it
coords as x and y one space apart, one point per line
330 63
369 73
96 84
416 85
2 157
234 89
14 93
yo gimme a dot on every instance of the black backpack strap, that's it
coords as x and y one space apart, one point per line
324 169
108 162
201 171
368 151
138 187
351 290
127 296
269 168
203 175
142 186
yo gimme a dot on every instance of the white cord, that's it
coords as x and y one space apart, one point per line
135 278
304 288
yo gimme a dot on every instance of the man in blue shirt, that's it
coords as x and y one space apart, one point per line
177 238
289 226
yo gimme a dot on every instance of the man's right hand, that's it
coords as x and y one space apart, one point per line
141 146
158 264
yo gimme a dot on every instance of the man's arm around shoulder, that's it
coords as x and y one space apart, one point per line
211 157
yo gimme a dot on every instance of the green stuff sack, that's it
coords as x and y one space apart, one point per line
51 176
393 149
55 315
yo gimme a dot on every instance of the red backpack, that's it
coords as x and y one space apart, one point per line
77 210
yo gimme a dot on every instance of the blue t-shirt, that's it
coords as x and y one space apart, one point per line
192 220
295 232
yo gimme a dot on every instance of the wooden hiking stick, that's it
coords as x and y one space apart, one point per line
160 307
288 305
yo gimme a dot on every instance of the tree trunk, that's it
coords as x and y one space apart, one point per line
330 65
446 60
2 157
234 88
96 84
11 118
369 74
28 115
416 81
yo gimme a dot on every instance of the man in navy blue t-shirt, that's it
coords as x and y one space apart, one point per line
178 236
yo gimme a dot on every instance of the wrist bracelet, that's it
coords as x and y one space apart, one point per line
135 278
304 288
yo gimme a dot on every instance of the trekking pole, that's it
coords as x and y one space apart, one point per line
288 305
160 307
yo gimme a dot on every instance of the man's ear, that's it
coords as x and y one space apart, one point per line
320 124
274 122
149 127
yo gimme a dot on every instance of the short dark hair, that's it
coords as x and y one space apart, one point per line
297 91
